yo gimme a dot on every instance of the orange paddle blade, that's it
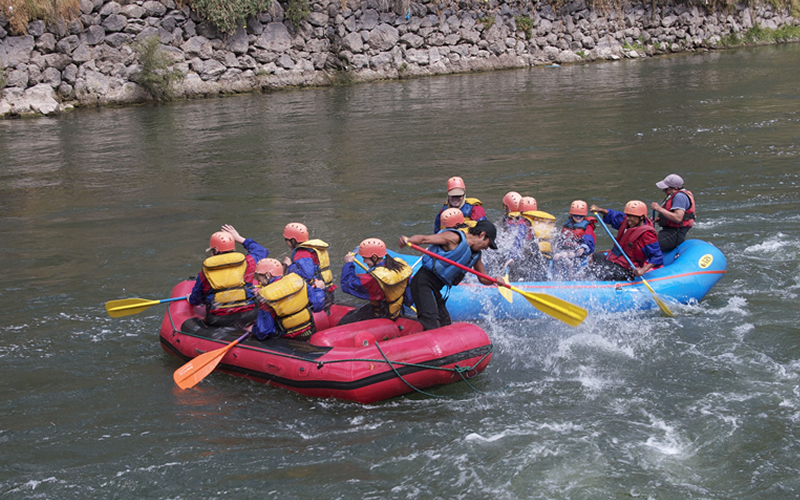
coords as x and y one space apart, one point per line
188 375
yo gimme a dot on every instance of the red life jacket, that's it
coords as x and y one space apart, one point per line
572 232
632 241
688 216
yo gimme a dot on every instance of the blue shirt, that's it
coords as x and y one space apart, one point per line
265 326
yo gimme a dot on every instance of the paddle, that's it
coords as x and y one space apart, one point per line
661 304
188 375
362 266
126 307
505 292
552 306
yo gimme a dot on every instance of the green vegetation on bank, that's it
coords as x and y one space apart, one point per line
154 74
228 15
19 12
524 24
758 35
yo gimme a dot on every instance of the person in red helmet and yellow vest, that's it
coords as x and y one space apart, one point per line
457 198
285 303
385 284
310 259
224 285
675 214
636 235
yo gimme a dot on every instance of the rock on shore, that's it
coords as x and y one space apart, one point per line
90 60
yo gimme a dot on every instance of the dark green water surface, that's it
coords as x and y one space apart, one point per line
110 203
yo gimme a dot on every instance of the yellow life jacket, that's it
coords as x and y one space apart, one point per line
475 202
544 228
321 249
288 297
225 274
393 284
468 224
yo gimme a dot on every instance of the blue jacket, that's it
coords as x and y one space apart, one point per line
265 321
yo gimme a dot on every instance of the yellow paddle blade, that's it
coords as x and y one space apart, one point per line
661 304
126 307
538 214
560 309
506 292
194 371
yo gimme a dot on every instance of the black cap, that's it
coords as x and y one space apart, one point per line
491 232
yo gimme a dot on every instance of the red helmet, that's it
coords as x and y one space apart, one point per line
451 218
222 242
372 247
456 183
297 231
636 207
527 204
269 266
578 207
511 201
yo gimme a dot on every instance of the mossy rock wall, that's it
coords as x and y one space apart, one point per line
90 60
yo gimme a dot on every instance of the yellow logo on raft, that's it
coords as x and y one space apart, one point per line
706 261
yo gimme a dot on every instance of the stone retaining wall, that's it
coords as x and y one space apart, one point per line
90 59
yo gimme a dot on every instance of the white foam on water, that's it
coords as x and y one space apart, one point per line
477 437
666 439
735 304
775 248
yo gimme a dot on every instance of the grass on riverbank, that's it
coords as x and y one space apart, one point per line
758 35
228 15
19 12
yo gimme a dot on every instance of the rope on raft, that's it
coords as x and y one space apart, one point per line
462 371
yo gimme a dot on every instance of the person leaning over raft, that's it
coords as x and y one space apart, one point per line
385 284
285 303
675 214
456 198
435 274
309 259
636 236
224 284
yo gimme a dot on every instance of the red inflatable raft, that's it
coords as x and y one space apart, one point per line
365 362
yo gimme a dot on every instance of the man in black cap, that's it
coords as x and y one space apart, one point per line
436 274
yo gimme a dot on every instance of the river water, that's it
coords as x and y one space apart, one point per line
111 203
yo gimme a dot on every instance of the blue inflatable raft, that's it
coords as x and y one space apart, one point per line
688 274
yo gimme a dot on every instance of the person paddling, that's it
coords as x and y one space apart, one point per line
224 285
435 274
636 236
676 214
385 284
